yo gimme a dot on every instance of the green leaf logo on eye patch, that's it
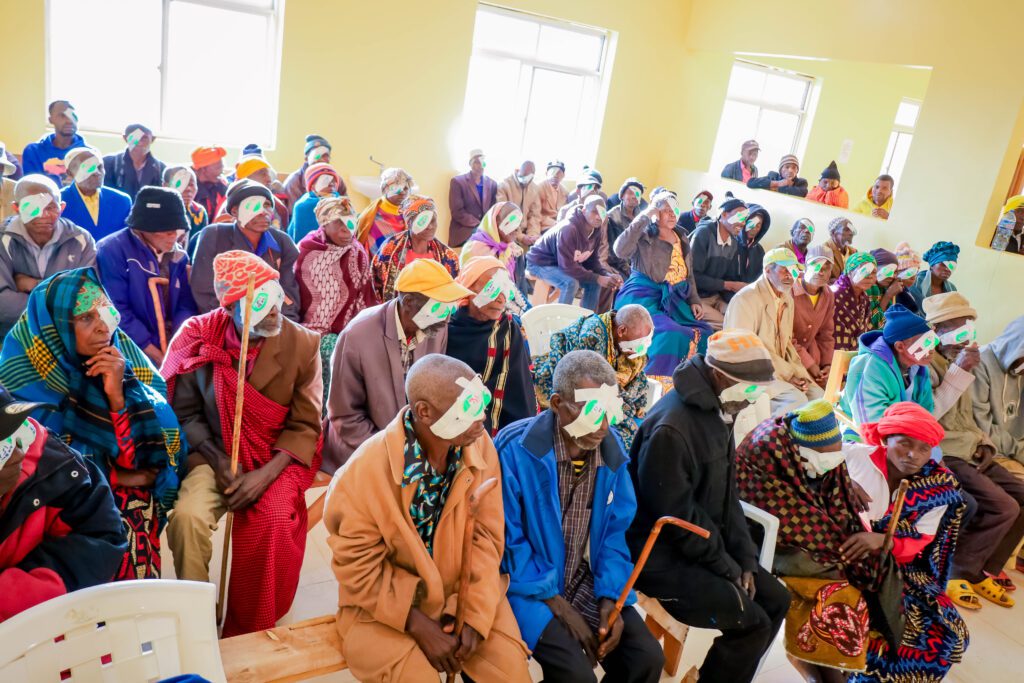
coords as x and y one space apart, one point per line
435 307
422 221
177 184
260 302
35 212
473 405
91 169
962 336
350 224
592 407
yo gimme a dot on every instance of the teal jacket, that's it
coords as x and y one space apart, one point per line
875 382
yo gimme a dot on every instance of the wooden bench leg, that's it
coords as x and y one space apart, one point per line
673 654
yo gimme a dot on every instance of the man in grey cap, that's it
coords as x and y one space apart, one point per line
743 169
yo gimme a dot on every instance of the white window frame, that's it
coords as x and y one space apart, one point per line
276 15
898 130
799 139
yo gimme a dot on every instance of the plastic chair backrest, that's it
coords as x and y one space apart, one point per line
122 632
655 391
771 532
540 322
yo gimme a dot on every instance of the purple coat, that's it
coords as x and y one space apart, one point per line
573 246
466 208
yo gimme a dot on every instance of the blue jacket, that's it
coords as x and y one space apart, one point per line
126 264
114 209
303 219
43 157
534 545
875 382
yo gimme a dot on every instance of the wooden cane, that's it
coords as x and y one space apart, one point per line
644 554
236 439
897 508
158 308
467 551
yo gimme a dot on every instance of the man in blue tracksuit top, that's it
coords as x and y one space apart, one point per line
568 502
46 156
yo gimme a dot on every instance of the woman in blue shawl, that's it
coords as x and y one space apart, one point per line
67 350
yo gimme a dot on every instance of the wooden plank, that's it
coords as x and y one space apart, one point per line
284 654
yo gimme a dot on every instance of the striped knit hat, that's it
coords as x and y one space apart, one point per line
815 425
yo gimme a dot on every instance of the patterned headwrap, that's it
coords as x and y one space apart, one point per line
332 208
414 205
940 252
391 176
838 223
853 261
906 418
907 257
231 271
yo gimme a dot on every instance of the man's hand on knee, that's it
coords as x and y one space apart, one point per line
438 646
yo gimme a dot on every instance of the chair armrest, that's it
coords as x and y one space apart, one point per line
771 532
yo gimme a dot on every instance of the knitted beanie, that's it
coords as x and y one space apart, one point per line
814 425
901 324
313 140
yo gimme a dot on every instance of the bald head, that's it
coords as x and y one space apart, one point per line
432 379
35 183
632 322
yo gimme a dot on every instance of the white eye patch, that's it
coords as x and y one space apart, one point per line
421 222
433 312
180 180
598 404
468 409
32 206
500 283
90 166
511 223
250 208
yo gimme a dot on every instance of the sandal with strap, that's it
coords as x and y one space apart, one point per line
961 593
1004 581
993 592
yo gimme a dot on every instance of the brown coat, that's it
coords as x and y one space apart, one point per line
526 198
552 199
383 568
813 326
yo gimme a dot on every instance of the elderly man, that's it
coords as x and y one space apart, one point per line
588 183
254 166
828 190
100 210
182 179
840 240
631 203
701 204
995 529
569 255
250 204
999 390
714 249
552 195
316 150
367 390
520 189
145 271
814 315
765 307
208 165
136 166
683 465
46 156
878 202
568 501
37 243
800 237
280 441
470 195
622 337
743 169
396 516
785 180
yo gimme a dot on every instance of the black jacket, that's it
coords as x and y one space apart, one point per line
750 258
797 189
121 173
683 464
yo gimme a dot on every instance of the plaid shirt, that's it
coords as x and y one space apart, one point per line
576 496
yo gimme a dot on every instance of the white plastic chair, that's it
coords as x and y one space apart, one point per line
540 322
655 390
149 630
771 532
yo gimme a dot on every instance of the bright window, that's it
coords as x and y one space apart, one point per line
764 104
534 90
165 63
900 138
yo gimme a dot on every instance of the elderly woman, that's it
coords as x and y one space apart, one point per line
182 179
883 293
935 636
322 181
853 308
67 350
496 236
942 258
908 266
416 241
840 242
662 281
485 336
383 217
333 271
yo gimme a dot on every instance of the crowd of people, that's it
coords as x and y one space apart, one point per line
133 294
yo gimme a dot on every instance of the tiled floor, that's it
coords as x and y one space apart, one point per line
995 655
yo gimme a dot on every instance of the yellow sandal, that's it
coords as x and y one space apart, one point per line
961 593
993 592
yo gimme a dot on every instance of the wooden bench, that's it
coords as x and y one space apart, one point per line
284 654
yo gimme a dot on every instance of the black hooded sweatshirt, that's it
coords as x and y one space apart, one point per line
750 259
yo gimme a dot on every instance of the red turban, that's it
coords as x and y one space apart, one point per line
231 271
908 419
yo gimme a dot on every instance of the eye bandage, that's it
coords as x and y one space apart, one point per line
602 212
316 154
814 268
31 207
909 273
89 166
809 225
433 312
500 283
323 182
468 409
928 342
637 348
598 404
393 189
109 315
742 392
700 201
421 222
951 265
180 180
265 297
672 202
511 222
740 217
24 436
886 272
966 333
864 271
250 209
134 137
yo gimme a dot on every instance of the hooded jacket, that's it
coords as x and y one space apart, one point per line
875 382
683 464
998 395
713 264
574 247
44 157
750 258
867 204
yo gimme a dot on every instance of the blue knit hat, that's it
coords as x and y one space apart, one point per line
901 324
815 425
314 140
941 251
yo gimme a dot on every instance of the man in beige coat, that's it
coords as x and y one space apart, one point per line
396 515
765 307
520 189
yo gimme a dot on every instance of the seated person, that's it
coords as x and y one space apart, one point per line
397 542
322 181
487 338
568 256
588 183
622 336
765 307
566 554
316 150
999 391
520 189
883 293
470 195
133 256
714 245
942 259
633 181
87 204
68 351
253 166
828 190
852 306
135 167
46 156
749 252
800 237
211 190
840 242
743 169
497 236
785 180
878 200
75 540
552 195
37 243
631 203
182 180
997 526
383 217
374 353
280 442
417 241
935 637
908 265
688 220
250 205
814 315
683 465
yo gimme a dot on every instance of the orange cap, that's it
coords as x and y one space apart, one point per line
204 156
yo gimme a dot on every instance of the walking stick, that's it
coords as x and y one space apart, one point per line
644 554
236 436
158 308
467 551
897 508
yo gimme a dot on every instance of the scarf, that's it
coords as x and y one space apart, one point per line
488 234
390 260
626 369
335 282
